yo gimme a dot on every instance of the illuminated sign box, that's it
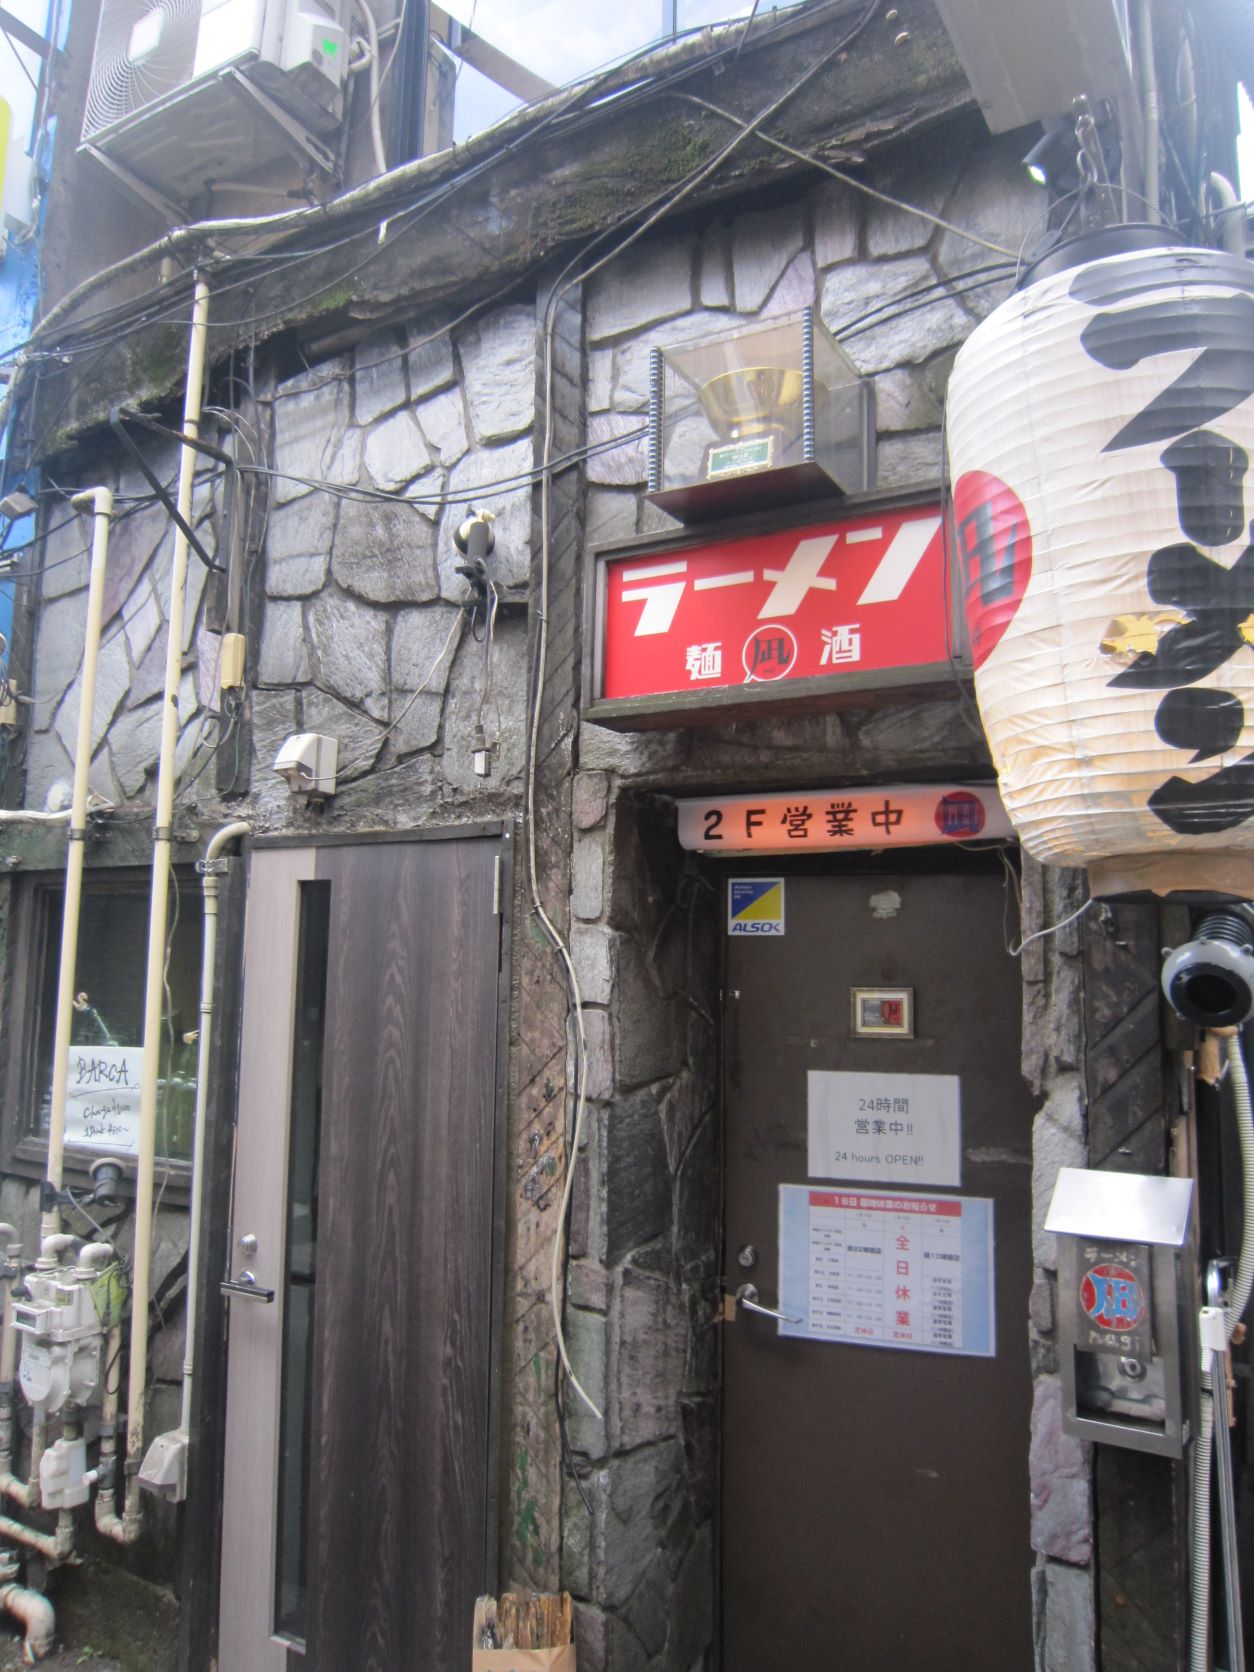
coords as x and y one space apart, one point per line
714 624
841 820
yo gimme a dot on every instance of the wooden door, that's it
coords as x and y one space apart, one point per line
875 1497
357 1521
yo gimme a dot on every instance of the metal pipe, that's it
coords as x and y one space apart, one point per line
45 1543
372 46
1149 97
108 1522
137 1385
217 842
1231 216
1214 1369
101 501
36 1613
1227 1518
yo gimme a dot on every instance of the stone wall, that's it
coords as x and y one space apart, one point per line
351 605
864 265
1061 1467
353 611
639 1540
643 1288
358 596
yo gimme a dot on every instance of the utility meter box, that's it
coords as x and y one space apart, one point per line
1127 1303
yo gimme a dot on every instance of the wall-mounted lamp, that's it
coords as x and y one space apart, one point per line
1052 161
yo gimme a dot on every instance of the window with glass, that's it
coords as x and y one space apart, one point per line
106 1035
488 57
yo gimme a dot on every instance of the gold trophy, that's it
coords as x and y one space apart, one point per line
753 409
768 414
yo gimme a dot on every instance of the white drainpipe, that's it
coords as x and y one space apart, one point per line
101 501
1230 215
125 1528
217 842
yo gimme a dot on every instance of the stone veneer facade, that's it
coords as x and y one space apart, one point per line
349 606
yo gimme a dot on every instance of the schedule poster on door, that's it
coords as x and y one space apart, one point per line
887 1269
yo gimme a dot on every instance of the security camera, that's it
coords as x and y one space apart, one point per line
308 761
1209 981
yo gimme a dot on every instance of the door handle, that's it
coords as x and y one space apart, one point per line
247 1286
747 1296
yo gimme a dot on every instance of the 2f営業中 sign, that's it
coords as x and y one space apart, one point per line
832 821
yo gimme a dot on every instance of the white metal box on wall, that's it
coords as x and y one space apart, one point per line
187 92
1026 61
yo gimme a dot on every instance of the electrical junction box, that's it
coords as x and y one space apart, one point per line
231 661
164 1471
1026 61
1127 1295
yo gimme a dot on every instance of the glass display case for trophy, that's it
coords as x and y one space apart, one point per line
765 415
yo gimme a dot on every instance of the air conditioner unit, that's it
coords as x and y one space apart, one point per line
186 92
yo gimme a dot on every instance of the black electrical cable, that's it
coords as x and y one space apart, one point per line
568 1456
647 88
586 93
921 296
505 484
134 504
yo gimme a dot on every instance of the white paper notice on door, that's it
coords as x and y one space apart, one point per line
876 1269
102 1098
885 1128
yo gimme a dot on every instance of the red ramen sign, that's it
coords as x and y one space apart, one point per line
852 603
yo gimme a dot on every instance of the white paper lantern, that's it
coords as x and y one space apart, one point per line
1100 429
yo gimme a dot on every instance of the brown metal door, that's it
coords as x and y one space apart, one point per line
875 1500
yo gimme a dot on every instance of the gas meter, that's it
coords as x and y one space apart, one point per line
1126 1307
61 1341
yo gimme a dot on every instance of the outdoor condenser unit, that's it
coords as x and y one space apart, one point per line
187 92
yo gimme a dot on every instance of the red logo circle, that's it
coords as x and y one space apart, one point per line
1112 1297
994 556
770 652
959 814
